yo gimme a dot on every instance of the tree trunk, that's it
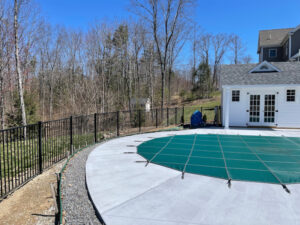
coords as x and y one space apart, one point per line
169 86
18 69
162 93
51 102
151 85
1 103
138 82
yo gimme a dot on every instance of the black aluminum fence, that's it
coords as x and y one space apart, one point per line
212 114
28 150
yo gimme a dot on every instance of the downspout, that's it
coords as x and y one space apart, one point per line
227 106
290 45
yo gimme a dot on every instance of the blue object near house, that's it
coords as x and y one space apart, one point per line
196 119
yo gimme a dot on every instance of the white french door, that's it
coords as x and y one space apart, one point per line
262 110
269 110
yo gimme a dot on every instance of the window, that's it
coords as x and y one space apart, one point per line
272 53
290 95
235 96
264 67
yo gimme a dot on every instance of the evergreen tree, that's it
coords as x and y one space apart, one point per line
202 80
14 117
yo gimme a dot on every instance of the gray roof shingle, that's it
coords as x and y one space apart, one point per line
239 74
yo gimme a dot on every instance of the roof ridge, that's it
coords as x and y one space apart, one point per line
279 29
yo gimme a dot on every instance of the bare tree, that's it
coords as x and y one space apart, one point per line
220 44
149 63
164 18
176 46
138 38
205 43
237 48
3 60
247 59
195 46
17 57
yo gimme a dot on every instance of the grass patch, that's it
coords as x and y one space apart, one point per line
19 156
206 108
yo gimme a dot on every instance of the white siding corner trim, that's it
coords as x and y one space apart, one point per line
227 107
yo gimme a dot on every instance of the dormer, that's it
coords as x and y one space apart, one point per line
264 67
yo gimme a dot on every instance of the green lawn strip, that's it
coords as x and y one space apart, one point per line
189 110
19 156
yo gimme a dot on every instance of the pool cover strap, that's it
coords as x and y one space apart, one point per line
291 141
187 161
276 177
160 150
227 172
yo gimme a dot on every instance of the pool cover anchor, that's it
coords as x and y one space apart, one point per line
285 188
229 183
129 152
140 161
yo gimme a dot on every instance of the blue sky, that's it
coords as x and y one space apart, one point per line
243 17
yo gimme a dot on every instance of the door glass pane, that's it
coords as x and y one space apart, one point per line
254 111
269 109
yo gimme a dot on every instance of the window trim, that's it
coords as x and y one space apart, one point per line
235 95
271 49
289 95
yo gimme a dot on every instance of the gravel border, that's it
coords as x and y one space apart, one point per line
76 204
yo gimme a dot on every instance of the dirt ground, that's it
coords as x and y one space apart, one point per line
33 203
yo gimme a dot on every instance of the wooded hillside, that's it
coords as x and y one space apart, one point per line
57 71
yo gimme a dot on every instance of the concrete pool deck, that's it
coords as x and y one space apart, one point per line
125 192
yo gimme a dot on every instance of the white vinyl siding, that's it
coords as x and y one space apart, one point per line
287 113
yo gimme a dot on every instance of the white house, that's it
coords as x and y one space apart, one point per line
261 95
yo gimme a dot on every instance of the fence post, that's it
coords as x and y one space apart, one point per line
183 114
71 135
220 116
140 121
156 122
118 123
40 147
175 115
95 127
167 116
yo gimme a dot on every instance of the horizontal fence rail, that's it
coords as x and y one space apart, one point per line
26 151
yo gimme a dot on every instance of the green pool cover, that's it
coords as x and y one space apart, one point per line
232 157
